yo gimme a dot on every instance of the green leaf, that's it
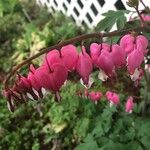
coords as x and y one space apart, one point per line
114 146
29 29
98 130
121 22
82 127
106 24
134 145
146 142
90 144
113 40
112 17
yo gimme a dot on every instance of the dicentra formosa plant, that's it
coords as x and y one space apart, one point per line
63 58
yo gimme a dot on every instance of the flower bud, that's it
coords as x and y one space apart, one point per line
133 3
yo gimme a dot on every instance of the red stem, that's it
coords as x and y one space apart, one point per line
139 14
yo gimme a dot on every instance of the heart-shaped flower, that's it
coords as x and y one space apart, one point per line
130 42
95 50
84 66
52 78
134 60
118 56
112 97
95 96
142 43
24 86
52 57
69 56
37 88
106 63
127 43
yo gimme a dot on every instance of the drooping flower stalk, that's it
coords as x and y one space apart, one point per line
52 74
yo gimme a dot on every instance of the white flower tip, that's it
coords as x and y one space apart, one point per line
35 92
136 75
111 104
65 83
43 91
96 102
102 76
30 96
91 81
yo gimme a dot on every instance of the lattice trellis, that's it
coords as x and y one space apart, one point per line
86 12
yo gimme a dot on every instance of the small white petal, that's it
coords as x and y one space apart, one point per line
91 80
43 91
111 104
136 75
147 68
13 104
102 76
65 83
35 92
8 105
96 102
30 96
130 111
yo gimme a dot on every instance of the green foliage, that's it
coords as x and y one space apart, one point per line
111 18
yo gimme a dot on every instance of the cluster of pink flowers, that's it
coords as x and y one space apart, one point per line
53 72
130 52
112 97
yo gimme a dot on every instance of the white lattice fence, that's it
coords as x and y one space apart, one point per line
85 11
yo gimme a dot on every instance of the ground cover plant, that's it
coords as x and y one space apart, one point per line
85 90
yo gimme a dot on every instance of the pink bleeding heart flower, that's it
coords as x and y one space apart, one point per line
130 42
118 56
52 77
105 47
106 63
37 88
53 57
127 43
69 56
142 43
23 85
134 60
95 50
84 66
95 96
112 97
129 105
